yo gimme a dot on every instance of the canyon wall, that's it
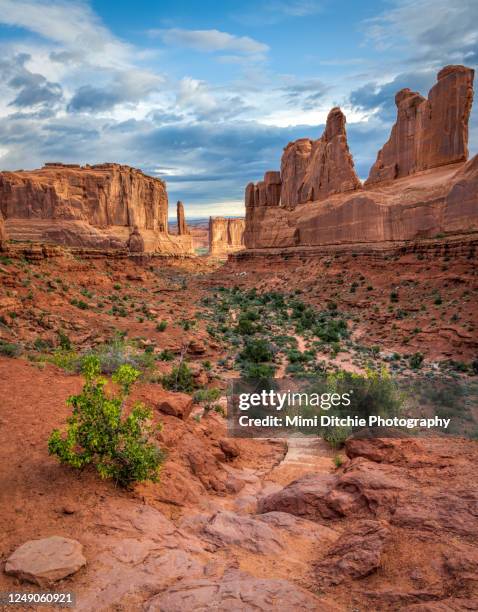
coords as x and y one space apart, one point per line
105 206
420 186
225 235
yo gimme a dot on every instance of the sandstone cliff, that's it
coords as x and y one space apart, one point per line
3 231
91 206
428 132
419 187
225 235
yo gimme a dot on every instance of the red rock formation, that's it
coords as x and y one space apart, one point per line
135 241
313 170
91 206
182 226
430 136
428 132
3 231
225 235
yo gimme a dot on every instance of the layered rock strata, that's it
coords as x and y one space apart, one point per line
225 235
98 206
420 186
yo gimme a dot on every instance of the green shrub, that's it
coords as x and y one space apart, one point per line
416 361
394 296
166 355
64 341
161 326
180 379
258 371
257 351
118 447
207 397
10 349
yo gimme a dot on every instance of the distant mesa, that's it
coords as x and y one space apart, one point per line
103 206
421 184
225 235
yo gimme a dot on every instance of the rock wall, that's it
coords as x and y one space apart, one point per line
3 231
89 206
428 132
420 185
225 235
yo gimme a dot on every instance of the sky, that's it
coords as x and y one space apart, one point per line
207 94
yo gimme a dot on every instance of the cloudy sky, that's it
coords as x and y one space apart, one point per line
206 94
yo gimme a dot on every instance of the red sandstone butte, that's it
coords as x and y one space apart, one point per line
428 132
89 206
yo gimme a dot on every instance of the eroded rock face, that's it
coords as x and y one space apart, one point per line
182 226
45 561
428 132
225 235
89 206
419 187
312 170
3 231
135 241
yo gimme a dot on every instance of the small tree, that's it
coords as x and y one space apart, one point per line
120 448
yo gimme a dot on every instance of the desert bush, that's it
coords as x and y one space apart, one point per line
118 447
257 351
416 361
10 349
180 379
161 326
207 397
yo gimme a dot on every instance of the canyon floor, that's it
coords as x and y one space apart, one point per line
242 524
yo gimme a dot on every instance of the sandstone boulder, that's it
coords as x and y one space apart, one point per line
45 561
135 241
178 405
228 528
355 554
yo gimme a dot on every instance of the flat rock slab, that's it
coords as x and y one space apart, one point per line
45 561
236 592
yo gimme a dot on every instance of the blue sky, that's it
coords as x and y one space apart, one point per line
206 95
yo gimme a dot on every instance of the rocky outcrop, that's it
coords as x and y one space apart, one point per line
315 169
182 226
3 231
89 206
428 132
433 191
225 235
135 241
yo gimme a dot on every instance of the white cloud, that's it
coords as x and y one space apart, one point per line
72 25
211 40
427 29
